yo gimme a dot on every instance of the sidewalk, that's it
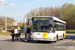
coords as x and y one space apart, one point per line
4 37
70 34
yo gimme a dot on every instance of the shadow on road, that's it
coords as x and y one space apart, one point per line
9 40
40 42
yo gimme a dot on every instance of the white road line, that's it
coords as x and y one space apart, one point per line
62 42
73 41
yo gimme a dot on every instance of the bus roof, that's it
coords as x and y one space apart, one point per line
57 19
54 18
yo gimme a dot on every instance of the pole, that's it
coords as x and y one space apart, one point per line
43 13
6 19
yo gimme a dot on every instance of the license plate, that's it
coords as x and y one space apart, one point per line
40 39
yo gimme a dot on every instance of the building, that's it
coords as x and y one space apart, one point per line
17 23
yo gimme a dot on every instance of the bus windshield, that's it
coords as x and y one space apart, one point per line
42 27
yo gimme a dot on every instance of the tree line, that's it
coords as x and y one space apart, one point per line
3 21
66 12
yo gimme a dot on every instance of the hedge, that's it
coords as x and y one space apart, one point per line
70 31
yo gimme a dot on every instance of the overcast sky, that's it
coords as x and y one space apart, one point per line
19 8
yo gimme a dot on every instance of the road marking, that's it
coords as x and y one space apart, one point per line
62 42
73 41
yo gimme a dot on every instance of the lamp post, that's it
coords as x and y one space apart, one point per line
6 18
43 12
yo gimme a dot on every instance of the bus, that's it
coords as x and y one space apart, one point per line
48 28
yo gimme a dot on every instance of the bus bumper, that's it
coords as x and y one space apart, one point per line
47 39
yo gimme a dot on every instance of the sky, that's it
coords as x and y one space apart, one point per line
17 9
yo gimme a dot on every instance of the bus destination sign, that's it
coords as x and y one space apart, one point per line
41 18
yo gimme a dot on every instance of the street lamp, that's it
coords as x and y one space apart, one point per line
6 18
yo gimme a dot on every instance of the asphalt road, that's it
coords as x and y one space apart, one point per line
67 44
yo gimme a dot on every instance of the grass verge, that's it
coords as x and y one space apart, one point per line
70 31
3 33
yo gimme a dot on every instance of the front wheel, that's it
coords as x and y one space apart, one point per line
56 39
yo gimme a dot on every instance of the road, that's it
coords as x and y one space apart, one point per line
67 44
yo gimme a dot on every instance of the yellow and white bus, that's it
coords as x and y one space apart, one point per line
48 28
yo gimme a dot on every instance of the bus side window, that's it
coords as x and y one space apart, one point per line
55 27
35 26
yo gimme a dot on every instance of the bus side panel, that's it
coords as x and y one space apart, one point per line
60 34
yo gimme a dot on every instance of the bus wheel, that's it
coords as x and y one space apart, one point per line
56 39
63 37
